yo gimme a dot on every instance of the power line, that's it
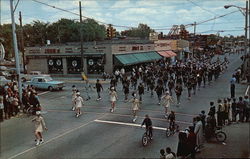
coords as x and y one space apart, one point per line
123 26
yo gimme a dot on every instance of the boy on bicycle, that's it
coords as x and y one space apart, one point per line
171 119
149 128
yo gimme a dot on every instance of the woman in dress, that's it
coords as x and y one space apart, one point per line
166 99
39 127
79 104
113 98
135 106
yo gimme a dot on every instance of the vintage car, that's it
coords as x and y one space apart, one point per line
27 77
45 82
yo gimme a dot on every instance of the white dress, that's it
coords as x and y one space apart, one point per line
39 124
135 104
79 102
166 101
113 96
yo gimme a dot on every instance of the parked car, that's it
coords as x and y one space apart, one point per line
45 82
27 77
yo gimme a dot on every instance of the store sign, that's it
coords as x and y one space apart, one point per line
51 62
74 63
59 62
91 62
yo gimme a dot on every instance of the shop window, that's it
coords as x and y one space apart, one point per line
74 65
55 65
141 47
95 65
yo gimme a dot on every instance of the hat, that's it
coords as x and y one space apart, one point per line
78 93
38 112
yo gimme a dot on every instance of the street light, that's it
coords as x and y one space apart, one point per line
242 10
245 13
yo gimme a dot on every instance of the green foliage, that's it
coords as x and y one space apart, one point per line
6 36
141 31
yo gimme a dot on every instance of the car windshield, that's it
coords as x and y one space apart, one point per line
48 79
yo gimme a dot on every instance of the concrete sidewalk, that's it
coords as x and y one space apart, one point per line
237 144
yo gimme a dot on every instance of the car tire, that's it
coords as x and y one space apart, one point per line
50 88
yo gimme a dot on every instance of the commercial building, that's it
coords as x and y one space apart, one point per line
98 57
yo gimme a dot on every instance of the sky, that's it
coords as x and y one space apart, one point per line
160 15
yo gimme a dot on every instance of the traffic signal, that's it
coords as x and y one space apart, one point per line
109 33
113 33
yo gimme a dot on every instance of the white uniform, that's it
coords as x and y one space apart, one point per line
78 102
135 103
113 96
166 101
39 124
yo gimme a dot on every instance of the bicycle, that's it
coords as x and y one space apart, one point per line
218 134
146 138
173 130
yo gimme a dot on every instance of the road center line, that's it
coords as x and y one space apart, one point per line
56 137
127 124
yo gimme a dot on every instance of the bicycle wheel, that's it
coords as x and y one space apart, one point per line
220 136
168 132
144 139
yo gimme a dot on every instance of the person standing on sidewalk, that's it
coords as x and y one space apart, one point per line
247 111
198 130
79 104
39 127
220 113
113 98
99 88
232 86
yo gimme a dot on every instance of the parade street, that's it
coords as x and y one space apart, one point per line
101 134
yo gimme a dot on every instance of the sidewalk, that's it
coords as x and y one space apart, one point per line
236 146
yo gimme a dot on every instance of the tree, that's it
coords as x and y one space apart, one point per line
141 31
6 35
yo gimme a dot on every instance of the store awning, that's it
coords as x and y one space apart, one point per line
167 53
136 58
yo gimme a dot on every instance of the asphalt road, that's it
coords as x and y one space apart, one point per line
101 134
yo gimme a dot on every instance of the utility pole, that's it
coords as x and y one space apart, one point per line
22 41
194 40
16 50
246 28
0 12
81 36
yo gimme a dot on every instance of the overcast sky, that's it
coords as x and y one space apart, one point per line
158 14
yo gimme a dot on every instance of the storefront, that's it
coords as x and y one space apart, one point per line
73 65
55 65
